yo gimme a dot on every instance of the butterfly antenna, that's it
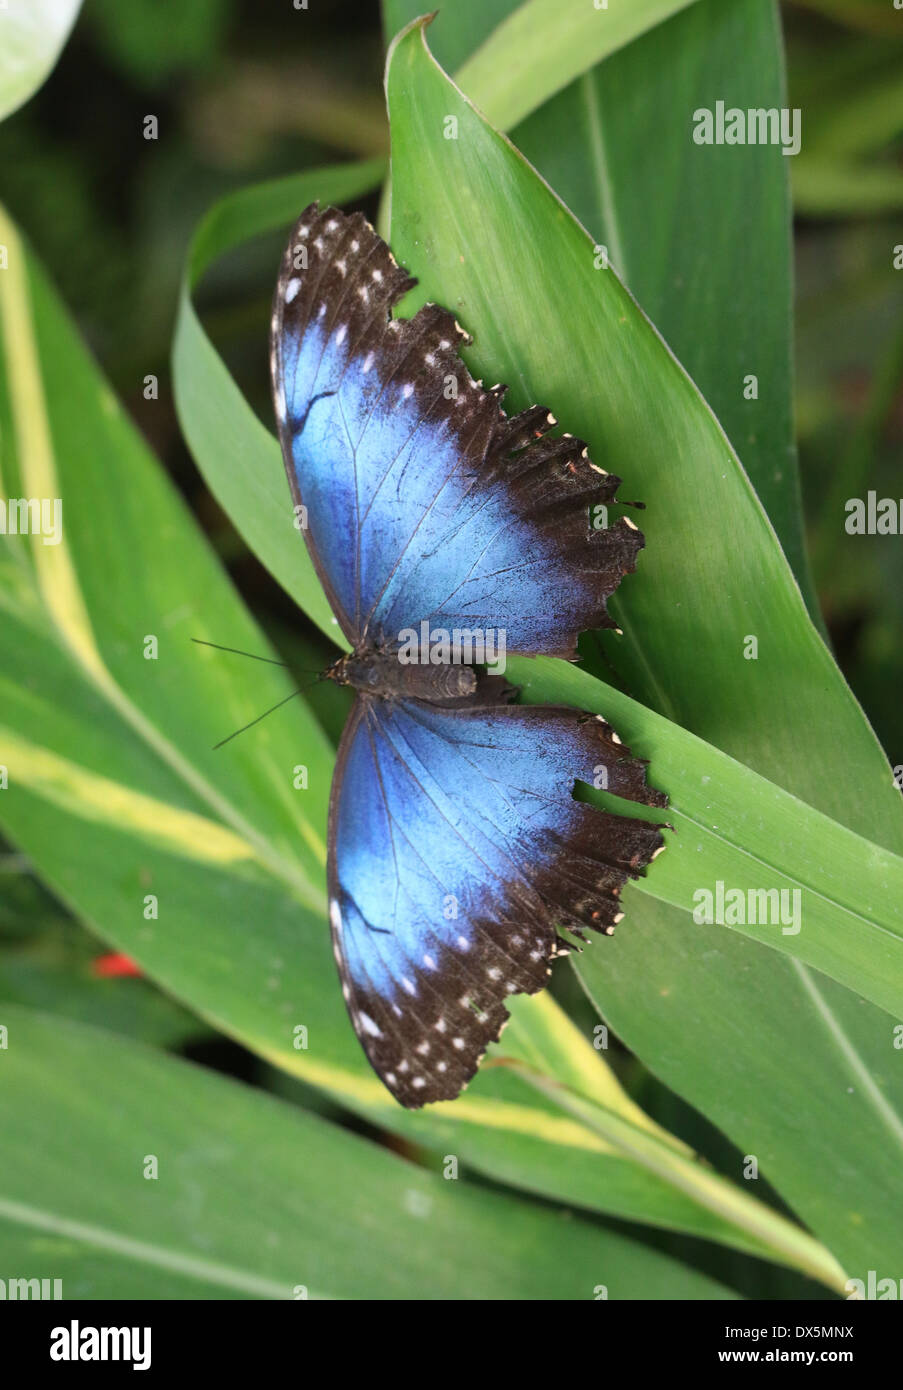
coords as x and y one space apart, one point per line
271 661
318 676
278 705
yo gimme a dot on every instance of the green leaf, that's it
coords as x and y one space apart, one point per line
481 231
719 1195
544 44
32 36
735 827
205 843
251 1198
619 142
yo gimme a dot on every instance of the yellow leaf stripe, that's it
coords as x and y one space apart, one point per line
58 580
492 1114
53 563
89 796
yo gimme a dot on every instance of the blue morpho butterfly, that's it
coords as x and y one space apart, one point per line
455 843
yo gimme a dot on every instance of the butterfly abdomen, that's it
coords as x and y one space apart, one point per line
383 675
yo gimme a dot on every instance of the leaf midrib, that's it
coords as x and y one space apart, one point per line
143 1252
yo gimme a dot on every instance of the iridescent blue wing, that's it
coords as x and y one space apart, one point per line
456 848
423 500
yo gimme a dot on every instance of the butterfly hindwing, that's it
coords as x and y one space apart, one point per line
457 848
423 500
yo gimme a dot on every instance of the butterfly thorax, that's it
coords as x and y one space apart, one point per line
386 676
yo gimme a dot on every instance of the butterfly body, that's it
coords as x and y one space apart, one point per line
456 847
380 674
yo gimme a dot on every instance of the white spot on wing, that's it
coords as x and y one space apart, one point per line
292 288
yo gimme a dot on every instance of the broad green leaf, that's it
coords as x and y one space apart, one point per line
122 773
618 143
484 234
544 44
681 1170
252 1198
32 35
734 827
